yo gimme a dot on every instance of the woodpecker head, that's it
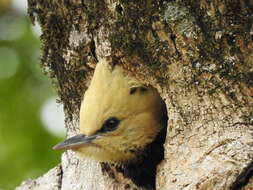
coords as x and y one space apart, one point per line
118 117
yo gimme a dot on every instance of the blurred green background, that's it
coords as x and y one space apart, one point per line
30 120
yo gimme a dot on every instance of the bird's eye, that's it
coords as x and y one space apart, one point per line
110 125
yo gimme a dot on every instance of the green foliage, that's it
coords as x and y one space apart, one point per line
25 146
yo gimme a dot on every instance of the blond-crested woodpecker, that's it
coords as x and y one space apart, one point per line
119 117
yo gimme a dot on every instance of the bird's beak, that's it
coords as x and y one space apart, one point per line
75 142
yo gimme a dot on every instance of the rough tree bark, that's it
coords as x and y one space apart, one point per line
199 56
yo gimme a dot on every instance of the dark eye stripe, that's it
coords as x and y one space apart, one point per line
109 125
133 90
141 90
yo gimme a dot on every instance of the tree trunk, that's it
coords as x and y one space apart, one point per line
197 54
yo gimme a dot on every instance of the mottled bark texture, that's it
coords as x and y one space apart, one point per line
198 54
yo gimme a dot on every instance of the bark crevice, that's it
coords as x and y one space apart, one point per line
243 178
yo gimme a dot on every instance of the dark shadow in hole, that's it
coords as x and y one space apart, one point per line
143 173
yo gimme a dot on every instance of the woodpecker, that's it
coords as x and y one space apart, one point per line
119 117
